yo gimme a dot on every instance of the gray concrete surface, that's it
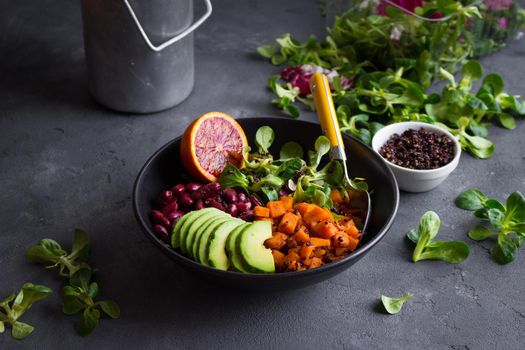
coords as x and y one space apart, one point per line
66 162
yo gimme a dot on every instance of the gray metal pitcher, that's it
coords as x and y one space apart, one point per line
139 53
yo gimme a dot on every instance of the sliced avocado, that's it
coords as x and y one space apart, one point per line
194 231
175 233
202 249
204 241
210 225
195 216
233 253
255 255
217 244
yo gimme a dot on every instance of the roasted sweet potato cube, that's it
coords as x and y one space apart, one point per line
320 242
352 243
301 236
306 251
278 258
340 239
261 212
303 208
315 262
319 252
316 214
353 231
292 256
288 223
294 250
291 242
276 209
324 229
277 241
287 202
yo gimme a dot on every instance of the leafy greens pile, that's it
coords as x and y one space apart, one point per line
391 72
78 295
508 222
269 177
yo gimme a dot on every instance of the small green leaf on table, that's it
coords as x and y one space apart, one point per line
393 305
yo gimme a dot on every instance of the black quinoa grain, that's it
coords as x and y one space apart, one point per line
418 149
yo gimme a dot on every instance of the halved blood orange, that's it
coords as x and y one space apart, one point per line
210 143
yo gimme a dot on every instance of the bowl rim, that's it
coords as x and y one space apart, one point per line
167 250
445 168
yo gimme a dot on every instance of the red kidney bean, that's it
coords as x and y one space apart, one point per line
205 191
213 187
215 204
229 195
232 210
185 200
171 207
162 233
243 207
247 215
213 198
241 197
199 204
178 189
255 201
166 197
159 218
175 216
192 186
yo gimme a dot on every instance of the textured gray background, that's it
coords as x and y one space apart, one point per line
66 162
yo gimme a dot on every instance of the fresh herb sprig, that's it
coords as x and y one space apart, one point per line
393 305
49 252
507 221
78 295
15 307
453 252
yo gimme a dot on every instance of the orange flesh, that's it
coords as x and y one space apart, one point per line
217 144
210 143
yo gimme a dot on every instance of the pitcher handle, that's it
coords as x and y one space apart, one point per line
176 37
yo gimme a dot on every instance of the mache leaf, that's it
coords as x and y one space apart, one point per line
480 233
470 200
505 250
393 305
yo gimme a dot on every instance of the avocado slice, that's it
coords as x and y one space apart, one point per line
193 233
175 233
208 226
231 250
217 244
202 248
197 216
255 255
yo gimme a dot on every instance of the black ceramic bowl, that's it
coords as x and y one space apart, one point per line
162 168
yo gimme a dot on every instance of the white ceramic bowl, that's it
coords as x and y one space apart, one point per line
412 180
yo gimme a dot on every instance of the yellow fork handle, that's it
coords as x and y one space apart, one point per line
324 105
